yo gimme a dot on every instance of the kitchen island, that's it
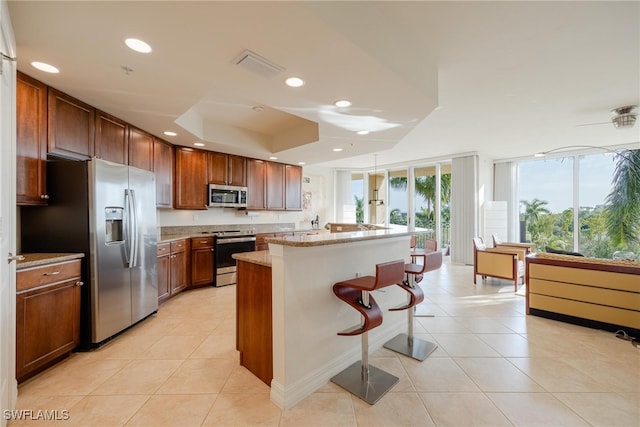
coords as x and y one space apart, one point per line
305 314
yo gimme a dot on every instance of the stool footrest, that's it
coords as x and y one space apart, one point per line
354 330
371 316
369 389
416 296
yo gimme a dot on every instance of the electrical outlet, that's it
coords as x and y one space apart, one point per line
338 228
195 217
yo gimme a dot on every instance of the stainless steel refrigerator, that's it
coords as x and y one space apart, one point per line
108 212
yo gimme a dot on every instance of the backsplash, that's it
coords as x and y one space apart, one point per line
259 228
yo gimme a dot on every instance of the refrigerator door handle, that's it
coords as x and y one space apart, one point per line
135 231
132 229
127 228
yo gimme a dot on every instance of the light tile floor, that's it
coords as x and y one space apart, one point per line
494 367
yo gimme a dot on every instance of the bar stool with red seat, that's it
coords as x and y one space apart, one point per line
407 344
361 379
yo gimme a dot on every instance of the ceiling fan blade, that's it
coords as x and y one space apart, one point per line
593 124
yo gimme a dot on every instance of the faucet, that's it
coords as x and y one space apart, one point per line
315 223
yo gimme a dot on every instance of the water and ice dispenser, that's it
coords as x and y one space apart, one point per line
114 232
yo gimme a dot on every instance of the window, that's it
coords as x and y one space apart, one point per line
357 193
545 192
398 197
563 203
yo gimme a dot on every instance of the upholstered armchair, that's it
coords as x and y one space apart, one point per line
502 262
497 243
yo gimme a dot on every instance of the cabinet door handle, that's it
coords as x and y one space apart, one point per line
79 283
44 196
13 257
53 273
203 241
211 249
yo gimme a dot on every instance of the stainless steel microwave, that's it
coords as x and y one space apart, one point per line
227 196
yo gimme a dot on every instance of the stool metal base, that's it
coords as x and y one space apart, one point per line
414 347
371 390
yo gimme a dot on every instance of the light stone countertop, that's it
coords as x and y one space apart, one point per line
324 239
257 257
38 259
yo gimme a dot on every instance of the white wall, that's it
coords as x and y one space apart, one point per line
317 199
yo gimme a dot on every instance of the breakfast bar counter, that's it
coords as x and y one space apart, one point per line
304 312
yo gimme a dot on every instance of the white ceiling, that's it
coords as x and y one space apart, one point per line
430 79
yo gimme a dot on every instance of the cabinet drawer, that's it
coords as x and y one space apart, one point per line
163 248
47 274
178 246
201 242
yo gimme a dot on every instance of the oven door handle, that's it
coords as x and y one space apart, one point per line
235 240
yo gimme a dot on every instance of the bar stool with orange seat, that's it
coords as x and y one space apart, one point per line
361 379
407 344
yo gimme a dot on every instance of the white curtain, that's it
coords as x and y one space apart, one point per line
464 208
504 189
345 209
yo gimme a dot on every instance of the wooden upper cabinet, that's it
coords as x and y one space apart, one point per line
293 186
190 178
31 141
226 169
217 168
111 138
70 126
140 149
237 170
256 176
163 168
275 185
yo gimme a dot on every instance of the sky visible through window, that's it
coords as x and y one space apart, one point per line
551 180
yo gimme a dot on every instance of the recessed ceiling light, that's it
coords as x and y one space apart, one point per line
363 132
169 133
273 158
138 45
302 163
337 149
342 103
45 67
199 144
294 82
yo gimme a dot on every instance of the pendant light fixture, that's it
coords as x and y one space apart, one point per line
375 201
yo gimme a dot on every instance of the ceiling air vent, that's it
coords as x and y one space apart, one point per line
257 64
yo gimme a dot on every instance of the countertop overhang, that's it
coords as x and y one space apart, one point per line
256 257
37 259
324 239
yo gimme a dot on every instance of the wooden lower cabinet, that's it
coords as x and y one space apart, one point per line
179 262
47 316
254 332
164 271
202 272
172 263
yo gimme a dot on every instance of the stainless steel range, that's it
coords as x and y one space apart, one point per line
227 243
